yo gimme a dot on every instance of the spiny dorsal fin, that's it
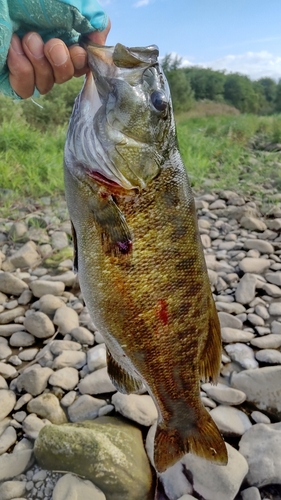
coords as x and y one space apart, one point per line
123 381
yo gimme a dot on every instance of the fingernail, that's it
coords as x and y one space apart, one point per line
58 54
16 45
35 45
79 61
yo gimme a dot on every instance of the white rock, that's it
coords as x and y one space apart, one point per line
251 493
230 421
34 379
246 289
26 256
211 481
97 382
85 407
255 319
23 400
41 287
261 386
262 311
227 320
232 307
7 439
270 356
3 384
274 278
234 335
5 351
74 359
225 395
242 354
11 315
59 346
139 408
39 325
68 399
47 406
275 309
59 240
68 278
276 327
22 339
260 418
28 354
32 425
83 335
254 265
25 297
260 245
11 284
49 303
13 464
96 357
12 489
71 487
66 378
8 330
253 223
66 319
271 341
8 401
7 371
261 446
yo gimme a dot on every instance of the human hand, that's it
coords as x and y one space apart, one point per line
38 55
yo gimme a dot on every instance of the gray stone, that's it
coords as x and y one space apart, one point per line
262 387
274 224
3 384
107 451
5 351
260 245
74 359
48 303
230 421
254 265
32 425
255 319
68 278
9 316
68 399
83 335
59 240
260 418
8 401
25 297
41 287
34 379
262 311
234 335
253 223
272 290
11 284
7 371
66 319
39 325
66 378
242 354
26 256
7 439
270 356
70 487
139 408
85 407
227 320
246 289
276 327
28 354
22 339
23 400
271 341
96 357
261 446
275 309
251 493
12 489
225 395
232 307
97 382
8 330
47 406
59 346
13 464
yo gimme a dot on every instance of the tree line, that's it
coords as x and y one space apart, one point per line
193 83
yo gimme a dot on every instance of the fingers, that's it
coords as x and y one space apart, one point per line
21 76
100 36
59 58
33 47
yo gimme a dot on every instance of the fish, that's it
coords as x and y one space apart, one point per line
137 247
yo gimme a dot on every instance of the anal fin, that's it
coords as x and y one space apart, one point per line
123 381
210 360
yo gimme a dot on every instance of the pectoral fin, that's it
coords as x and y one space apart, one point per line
210 362
115 234
123 381
75 248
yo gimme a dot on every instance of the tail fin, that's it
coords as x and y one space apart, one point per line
204 440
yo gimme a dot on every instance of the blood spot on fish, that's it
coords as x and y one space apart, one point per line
125 246
162 311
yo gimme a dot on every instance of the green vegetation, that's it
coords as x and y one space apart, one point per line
221 147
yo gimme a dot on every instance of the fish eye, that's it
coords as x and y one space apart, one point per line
159 100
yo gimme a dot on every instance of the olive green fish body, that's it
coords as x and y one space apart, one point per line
144 279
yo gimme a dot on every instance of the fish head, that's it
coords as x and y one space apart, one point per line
122 126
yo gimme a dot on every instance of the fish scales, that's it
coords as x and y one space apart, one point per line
144 279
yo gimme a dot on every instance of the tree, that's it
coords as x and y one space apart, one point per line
277 101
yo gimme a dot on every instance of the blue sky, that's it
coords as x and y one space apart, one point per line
236 35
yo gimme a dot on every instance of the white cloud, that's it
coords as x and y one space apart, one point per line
141 3
253 64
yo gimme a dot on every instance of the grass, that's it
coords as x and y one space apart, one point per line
216 144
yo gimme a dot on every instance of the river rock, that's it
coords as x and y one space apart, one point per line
12 489
13 464
8 401
96 357
253 223
234 335
275 309
66 319
262 387
10 315
83 335
139 408
11 284
7 439
47 406
39 325
66 378
274 278
270 356
69 358
49 303
230 421
107 451
41 287
260 245
97 382
59 346
254 265
211 481
246 289
261 446
224 395
251 493
271 341
227 320
34 379
8 330
242 354
71 487
59 240
85 407
32 425
26 256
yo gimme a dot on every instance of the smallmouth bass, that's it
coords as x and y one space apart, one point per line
137 247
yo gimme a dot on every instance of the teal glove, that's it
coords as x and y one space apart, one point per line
64 19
